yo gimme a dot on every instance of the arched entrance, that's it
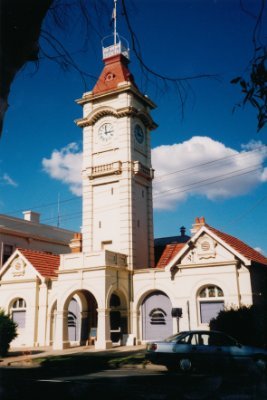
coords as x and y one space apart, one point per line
118 318
82 316
156 316
79 319
74 320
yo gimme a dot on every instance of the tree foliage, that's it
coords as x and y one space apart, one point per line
8 332
247 324
255 86
20 43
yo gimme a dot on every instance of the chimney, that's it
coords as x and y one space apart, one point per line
76 243
182 230
31 216
199 222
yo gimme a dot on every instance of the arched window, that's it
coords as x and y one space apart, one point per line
115 301
210 303
18 312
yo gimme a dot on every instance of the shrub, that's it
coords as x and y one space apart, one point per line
8 332
247 324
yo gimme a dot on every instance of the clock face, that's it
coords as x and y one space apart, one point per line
139 134
106 132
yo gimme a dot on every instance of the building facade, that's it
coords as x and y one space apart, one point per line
29 233
118 285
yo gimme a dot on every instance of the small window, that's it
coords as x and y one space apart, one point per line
205 246
211 291
18 312
157 317
210 303
7 251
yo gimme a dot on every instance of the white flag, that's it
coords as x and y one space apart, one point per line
113 14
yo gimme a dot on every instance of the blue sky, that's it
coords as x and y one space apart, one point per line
211 162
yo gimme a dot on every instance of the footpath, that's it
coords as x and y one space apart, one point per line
19 357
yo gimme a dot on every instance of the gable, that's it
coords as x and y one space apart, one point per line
28 264
209 245
18 268
206 249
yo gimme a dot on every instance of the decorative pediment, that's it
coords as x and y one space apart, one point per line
27 264
202 250
206 247
17 267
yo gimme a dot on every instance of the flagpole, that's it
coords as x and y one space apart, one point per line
115 22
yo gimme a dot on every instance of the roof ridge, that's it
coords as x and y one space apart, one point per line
49 253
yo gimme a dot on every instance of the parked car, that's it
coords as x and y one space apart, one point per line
198 350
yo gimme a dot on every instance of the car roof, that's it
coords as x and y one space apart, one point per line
202 331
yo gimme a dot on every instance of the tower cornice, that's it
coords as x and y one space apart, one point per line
90 97
95 115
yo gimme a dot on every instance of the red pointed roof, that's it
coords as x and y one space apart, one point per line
46 264
114 72
251 254
169 252
240 246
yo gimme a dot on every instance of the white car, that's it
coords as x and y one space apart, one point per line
198 350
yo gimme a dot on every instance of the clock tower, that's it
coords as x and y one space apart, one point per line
117 172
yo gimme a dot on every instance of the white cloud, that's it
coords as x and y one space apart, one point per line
203 166
199 166
6 180
65 165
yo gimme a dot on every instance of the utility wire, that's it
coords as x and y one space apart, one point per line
226 176
75 198
244 154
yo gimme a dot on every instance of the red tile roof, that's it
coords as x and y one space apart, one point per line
46 264
240 246
115 71
169 252
251 254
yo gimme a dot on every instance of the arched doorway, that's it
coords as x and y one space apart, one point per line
74 320
118 318
156 316
80 318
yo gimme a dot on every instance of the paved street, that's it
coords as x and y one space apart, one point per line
26 381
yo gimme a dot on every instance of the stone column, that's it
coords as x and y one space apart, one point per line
61 331
84 325
42 316
103 330
136 326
